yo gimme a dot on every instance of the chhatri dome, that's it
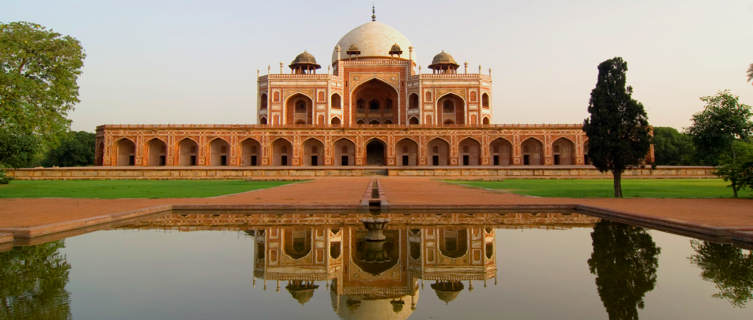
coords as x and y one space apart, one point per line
373 39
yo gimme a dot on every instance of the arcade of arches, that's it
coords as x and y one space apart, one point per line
251 146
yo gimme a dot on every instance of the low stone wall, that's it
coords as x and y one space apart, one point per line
550 172
176 173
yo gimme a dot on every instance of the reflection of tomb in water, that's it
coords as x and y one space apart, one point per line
375 279
379 280
450 255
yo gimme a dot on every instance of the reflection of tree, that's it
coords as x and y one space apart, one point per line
728 267
624 260
33 283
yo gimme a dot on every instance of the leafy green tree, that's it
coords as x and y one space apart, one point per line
728 267
624 260
39 69
618 130
33 283
737 167
17 148
672 147
74 149
723 120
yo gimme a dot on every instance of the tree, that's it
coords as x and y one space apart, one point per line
74 149
750 72
624 260
17 147
737 167
618 130
728 268
723 120
39 69
672 147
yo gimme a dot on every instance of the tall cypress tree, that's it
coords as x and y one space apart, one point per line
618 130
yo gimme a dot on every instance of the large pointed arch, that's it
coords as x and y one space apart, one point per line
406 152
451 109
188 152
374 101
438 152
313 152
469 152
157 150
282 152
126 152
532 151
563 151
345 152
375 152
219 152
251 152
500 150
299 109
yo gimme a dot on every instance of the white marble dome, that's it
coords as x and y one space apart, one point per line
373 39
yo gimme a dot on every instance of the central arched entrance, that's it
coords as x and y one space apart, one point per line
374 102
375 153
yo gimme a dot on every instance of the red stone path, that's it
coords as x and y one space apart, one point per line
398 191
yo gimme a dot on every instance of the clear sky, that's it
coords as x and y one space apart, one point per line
172 61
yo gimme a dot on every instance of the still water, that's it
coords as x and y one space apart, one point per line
420 266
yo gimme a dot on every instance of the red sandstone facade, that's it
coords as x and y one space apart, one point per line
373 107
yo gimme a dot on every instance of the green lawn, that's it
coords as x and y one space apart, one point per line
602 188
113 189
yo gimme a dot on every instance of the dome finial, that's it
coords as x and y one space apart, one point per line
373 13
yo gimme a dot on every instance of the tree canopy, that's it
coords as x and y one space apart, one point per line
39 69
672 147
723 120
617 130
76 148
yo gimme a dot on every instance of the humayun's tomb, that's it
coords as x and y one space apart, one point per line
373 107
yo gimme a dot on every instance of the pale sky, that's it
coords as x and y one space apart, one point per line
152 62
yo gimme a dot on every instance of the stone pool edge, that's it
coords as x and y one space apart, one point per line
741 236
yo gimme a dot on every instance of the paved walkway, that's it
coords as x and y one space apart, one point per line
335 191
398 191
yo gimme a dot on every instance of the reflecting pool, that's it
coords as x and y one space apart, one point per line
236 265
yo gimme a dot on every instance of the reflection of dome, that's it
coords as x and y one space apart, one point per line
301 291
385 308
447 290
373 39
